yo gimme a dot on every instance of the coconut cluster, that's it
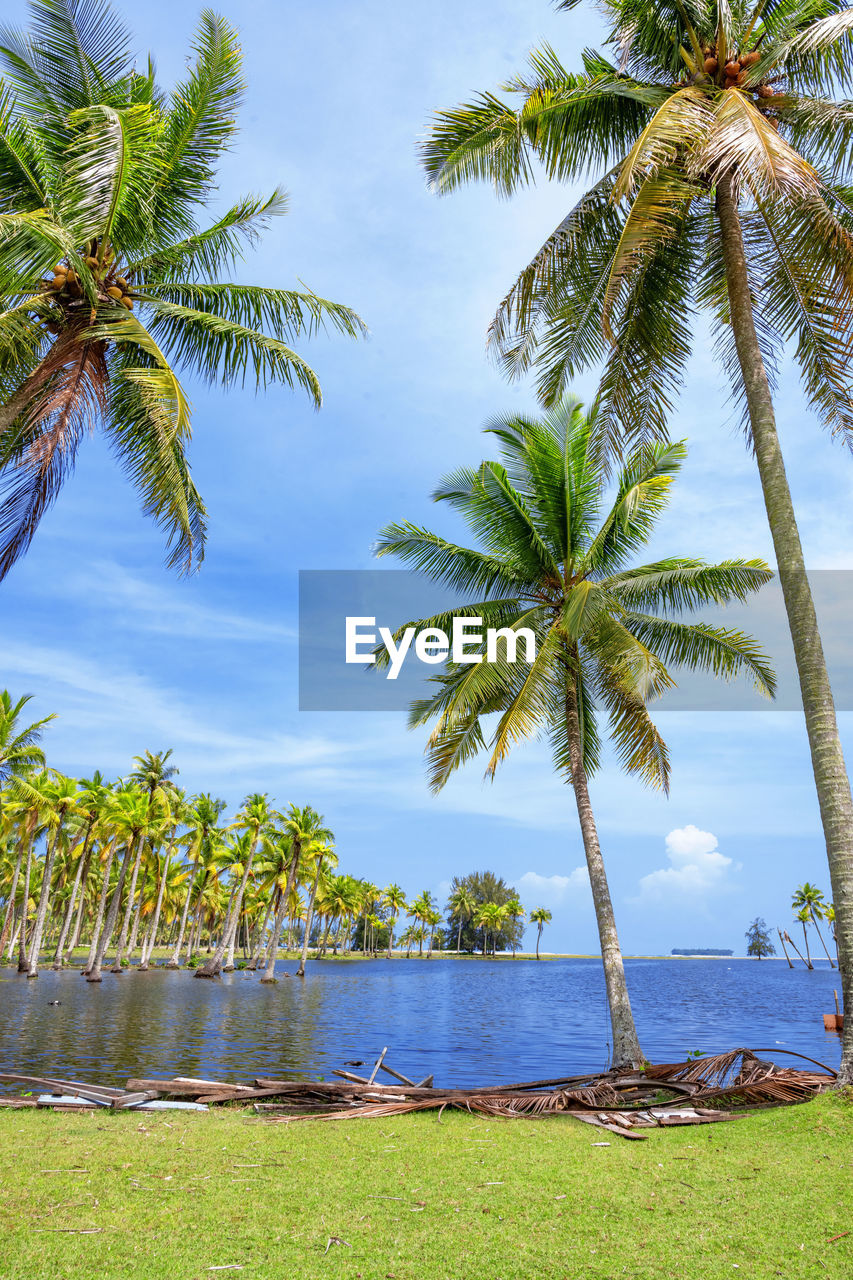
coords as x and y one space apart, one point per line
735 72
66 287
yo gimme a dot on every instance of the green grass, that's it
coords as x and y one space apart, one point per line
169 1197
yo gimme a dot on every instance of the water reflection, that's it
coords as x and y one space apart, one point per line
468 1021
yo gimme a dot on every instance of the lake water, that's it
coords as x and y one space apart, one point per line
468 1021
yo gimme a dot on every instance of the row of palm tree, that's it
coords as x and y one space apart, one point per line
134 865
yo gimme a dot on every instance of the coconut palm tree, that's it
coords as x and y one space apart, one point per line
202 817
723 169
461 906
255 819
548 563
324 859
177 815
540 916
514 912
809 896
132 815
90 799
490 917
394 898
111 273
64 798
20 754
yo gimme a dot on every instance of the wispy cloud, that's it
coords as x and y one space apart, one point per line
552 890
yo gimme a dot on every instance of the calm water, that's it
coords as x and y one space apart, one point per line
468 1021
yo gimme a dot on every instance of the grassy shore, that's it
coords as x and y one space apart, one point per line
171 1197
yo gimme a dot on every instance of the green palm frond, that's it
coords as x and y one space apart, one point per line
723 653
210 251
677 585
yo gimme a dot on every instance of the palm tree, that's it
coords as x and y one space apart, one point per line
726 177
255 820
804 917
514 912
550 565
324 859
19 755
540 916
90 797
394 898
461 906
490 917
203 816
177 814
64 798
421 909
809 896
107 176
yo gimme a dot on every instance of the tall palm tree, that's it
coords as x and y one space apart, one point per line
809 896
177 814
550 564
255 819
514 912
203 816
111 274
726 169
20 754
64 798
394 898
90 799
461 905
540 916
324 858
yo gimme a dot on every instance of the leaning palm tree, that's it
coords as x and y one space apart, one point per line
111 274
549 564
64 798
540 916
804 917
725 166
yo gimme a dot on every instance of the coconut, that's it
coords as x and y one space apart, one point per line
122 283
764 91
71 277
92 263
728 83
127 302
741 78
114 292
57 284
750 59
711 65
732 69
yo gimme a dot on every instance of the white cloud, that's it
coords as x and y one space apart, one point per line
697 868
550 889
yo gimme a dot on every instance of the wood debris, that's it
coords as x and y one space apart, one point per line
622 1102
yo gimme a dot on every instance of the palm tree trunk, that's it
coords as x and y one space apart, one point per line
128 911
148 945
44 898
309 916
806 940
66 924
790 940
538 936
259 944
22 937
626 1045
272 947
102 902
830 773
10 908
174 961
211 968
785 949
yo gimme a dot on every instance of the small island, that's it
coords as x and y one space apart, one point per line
700 951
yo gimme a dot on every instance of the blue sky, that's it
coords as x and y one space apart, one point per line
133 658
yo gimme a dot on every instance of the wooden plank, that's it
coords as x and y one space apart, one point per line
133 1099
396 1074
347 1075
378 1065
18 1102
210 1085
96 1093
426 1083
